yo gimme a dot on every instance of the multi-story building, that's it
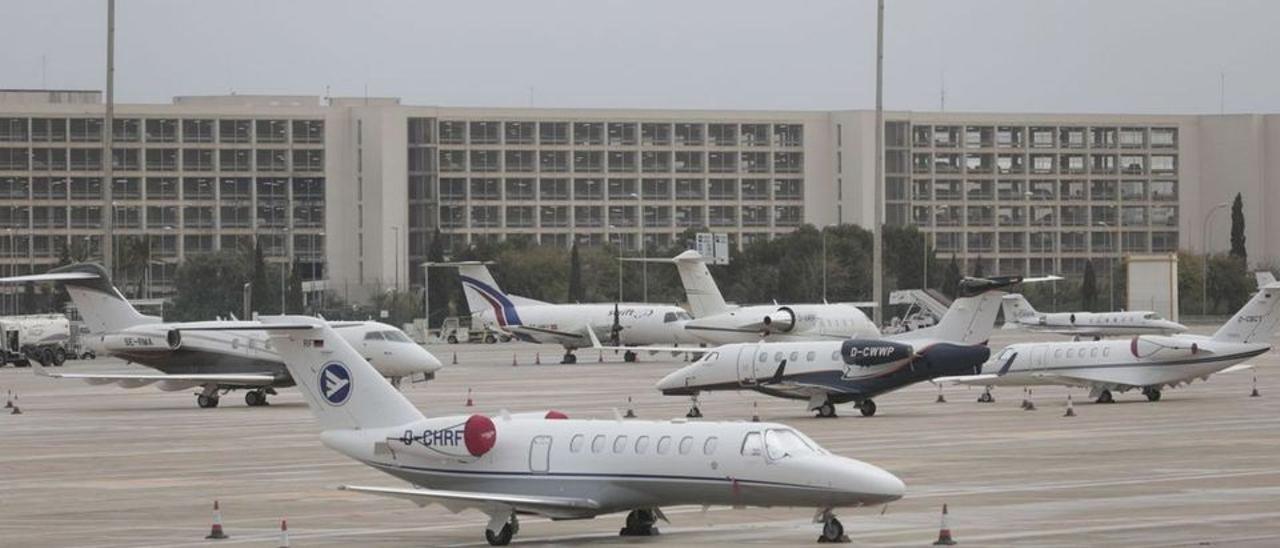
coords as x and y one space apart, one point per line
353 188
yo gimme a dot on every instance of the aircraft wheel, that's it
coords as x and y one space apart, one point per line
59 356
832 531
1152 394
255 398
868 408
1105 397
827 410
452 339
986 397
206 402
569 359
629 356
490 339
640 524
503 537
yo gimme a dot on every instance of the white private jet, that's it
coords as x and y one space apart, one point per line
827 373
624 324
217 362
715 321
548 465
1147 362
1018 314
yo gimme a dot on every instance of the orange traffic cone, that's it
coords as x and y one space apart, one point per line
944 532
1071 410
1031 405
941 398
601 354
631 413
215 532
284 534
1255 393
455 358
9 404
514 363
755 412
469 402
537 358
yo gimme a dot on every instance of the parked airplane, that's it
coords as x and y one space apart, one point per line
548 465
828 373
715 321
216 362
1018 313
624 324
1146 362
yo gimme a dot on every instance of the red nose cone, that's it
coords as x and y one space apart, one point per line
479 434
1133 347
556 415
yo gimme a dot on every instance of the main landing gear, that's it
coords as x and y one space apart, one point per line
986 396
1105 397
694 411
832 529
826 411
506 528
629 356
867 407
640 523
569 358
208 397
257 398
1152 394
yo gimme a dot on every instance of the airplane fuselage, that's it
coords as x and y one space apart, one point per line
801 322
833 369
249 352
1101 324
566 324
623 465
1115 364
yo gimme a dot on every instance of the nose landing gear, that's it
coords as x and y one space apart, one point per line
640 523
501 535
832 529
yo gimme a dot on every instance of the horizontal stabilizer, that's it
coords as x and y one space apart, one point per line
133 380
50 277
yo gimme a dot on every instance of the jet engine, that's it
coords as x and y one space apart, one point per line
447 438
781 321
126 342
1163 347
871 352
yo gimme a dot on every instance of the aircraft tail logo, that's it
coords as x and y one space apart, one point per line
335 383
503 309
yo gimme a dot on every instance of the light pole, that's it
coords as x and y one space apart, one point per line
644 253
1111 286
12 299
426 293
1204 273
396 230
822 234
620 238
877 231
284 264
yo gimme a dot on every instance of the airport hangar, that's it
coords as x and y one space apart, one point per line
352 188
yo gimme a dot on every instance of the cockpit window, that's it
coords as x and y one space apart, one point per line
751 445
710 358
781 444
373 336
1151 316
683 316
396 336
1004 354
669 317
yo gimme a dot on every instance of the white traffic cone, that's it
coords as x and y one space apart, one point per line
944 532
755 412
631 413
1071 410
284 534
1255 393
1031 405
215 532
941 398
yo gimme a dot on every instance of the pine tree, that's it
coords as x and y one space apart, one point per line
951 280
978 270
575 275
1089 288
259 292
1237 230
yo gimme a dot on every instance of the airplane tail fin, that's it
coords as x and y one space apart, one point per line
101 305
1256 321
971 318
341 388
1016 307
483 293
699 287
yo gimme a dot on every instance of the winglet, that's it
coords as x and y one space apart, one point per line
777 375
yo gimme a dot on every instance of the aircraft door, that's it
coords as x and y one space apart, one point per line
746 364
540 454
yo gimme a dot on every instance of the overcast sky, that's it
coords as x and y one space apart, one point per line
1157 56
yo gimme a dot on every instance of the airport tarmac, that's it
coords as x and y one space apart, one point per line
102 466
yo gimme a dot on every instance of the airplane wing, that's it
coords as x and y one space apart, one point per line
167 382
595 345
544 331
1238 368
455 501
55 277
970 380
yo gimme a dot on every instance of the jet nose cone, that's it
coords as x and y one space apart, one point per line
676 384
875 485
